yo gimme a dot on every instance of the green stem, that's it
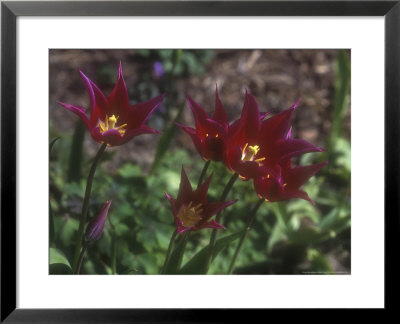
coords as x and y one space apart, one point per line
81 255
203 173
214 233
249 224
169 252
85 206
183 241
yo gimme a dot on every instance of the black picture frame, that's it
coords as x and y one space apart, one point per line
11 10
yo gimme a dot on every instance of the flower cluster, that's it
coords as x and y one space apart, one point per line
255 146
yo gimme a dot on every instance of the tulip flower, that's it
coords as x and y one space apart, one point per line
210 136
191 210
112 119
288 182
257 144
95 228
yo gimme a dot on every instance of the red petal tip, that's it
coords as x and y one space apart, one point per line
120 74
296 104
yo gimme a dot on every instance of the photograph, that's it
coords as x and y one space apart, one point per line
199 161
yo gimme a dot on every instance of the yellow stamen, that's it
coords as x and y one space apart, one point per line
216 136
102 127
122 126
268 176
109 123
251 152
266 200
112 121
244 148
190 215
285 184
206 135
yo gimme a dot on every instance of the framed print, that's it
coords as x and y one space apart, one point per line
179 155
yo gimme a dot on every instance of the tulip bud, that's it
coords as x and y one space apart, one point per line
95 228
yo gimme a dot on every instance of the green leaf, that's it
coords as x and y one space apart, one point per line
59 263
198 264
57 256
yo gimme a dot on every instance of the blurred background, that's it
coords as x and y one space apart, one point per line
291 237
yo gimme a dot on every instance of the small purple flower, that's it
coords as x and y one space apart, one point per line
158 69
95 228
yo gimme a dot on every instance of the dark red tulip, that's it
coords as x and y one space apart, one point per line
112 119
210 135
257 144
286 182
191 210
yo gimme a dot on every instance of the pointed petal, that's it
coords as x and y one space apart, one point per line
193 135
139 113
200 194
185 193
172 202
118 99
295 194
211 224
220 113
181 229
289 133
253 118
277 127
198 112
131 133
249 124
299 175
78 111
289 148
213 208
101 100
95 114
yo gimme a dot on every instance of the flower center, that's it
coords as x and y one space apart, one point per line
249 153
109 123
190 215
